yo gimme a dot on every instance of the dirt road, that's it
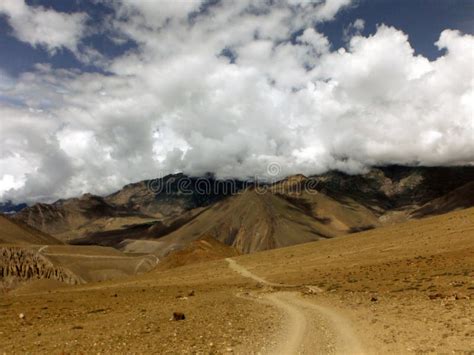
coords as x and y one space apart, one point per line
308 328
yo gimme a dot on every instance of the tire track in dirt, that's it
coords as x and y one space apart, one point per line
308 328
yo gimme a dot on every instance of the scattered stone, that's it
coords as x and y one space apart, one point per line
100 310
313 290
453 297
191 293
460 296
178 316
21 316
374 299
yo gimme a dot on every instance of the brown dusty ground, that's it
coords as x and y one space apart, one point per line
134 316
408 287
402 289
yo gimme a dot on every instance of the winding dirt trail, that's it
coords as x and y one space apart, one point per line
308 328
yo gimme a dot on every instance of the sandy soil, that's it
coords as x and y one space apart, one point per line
407 288
135 316
308 327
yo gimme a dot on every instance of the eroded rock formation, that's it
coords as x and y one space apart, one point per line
26 264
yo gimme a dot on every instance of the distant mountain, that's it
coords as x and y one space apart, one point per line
9 207
67 216
462 197
167 214
151 200
173 194
395 187
250 222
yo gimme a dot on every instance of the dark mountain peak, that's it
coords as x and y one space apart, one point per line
8 207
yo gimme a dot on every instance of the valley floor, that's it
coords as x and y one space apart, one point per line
400 289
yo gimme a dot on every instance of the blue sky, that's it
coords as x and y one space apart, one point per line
98 94
422 20
17 56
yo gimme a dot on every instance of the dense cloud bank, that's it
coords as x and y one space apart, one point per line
229 89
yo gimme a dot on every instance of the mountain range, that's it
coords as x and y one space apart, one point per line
169 261
162 216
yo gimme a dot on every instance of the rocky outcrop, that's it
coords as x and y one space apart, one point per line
26 264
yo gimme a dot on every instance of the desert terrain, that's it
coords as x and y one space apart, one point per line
403 288
258 177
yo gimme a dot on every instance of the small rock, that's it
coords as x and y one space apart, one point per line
178 316
21 316
374 299
312 290
191 293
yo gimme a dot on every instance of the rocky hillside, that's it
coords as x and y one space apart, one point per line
462 197
69 215
250 222
395 187
173 194
165 214
25 264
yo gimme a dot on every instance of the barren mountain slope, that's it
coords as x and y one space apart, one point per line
198 251
173 194
67 218
251 221
325 205
400 289
138 233
462 197
394 187
16 232
170 198
343 214
331 204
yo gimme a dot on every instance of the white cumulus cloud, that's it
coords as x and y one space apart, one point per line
39 26
228 90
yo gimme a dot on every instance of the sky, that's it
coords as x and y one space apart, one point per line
95 94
